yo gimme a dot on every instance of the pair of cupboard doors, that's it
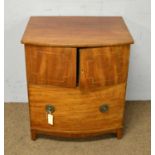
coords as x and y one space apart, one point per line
85 68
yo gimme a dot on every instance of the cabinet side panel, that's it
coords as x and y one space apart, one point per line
51 65
105 66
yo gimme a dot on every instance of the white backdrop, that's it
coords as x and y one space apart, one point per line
136 14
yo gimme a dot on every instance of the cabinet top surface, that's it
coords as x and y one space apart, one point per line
76 31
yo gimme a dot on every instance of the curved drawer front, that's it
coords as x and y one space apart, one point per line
77 111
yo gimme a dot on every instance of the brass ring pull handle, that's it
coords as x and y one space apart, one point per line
104 108
50 108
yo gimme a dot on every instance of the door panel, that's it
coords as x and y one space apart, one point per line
105 66
51 66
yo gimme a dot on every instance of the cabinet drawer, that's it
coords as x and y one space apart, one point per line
77 111
51 65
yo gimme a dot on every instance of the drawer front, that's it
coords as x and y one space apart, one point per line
51 66
105 66
77 111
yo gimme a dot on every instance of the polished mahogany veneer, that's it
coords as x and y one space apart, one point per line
77 71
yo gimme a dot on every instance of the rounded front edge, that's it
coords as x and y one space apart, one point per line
71 134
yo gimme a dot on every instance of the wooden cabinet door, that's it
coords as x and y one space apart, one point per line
105 66
51 66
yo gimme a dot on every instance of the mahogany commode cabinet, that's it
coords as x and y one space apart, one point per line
77 71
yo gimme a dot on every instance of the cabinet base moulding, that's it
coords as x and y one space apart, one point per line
35 133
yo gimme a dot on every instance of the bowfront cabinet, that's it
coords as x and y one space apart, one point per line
77 71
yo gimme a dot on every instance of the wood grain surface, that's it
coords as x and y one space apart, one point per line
100 67
51 65
76 31
77 112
